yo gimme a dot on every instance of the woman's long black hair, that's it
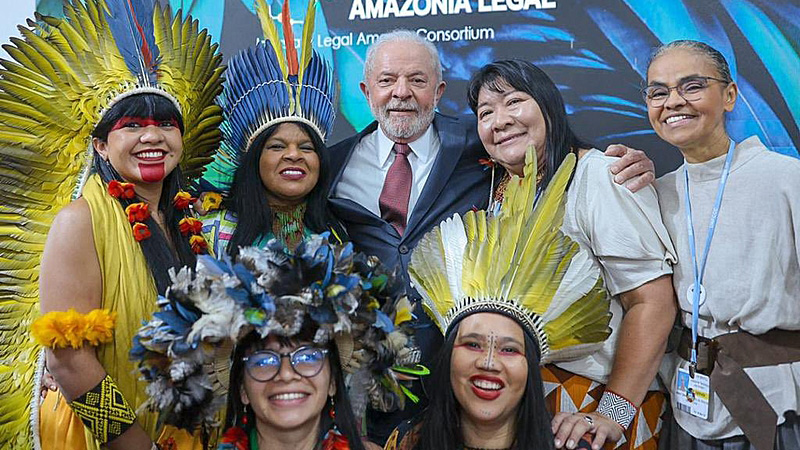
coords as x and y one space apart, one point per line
344 419
248 196
441 423
525 77
160 251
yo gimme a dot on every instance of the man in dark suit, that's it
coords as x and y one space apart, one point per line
403 83
409 170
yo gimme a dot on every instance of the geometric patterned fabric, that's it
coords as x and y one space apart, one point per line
567 392
104 411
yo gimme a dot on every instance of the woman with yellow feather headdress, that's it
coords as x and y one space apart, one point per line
509 292
99 110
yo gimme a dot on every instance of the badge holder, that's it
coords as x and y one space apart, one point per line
692 393
693 389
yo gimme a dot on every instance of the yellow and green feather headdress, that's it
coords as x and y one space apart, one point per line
62 75
518 263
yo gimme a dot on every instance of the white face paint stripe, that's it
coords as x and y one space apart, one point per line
491 341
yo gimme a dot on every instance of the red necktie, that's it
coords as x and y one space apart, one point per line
397 189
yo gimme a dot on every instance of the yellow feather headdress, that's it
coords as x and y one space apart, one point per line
518 263
62 75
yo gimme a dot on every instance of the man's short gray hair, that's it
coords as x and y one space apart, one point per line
402 35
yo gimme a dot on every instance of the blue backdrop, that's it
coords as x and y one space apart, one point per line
595 50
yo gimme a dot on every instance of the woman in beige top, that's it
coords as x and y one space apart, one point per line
750 296
605 394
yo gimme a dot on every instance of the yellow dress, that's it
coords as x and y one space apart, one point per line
129 290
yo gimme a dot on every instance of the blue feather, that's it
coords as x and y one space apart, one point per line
214 266
383 322
131 24
245 276
175 322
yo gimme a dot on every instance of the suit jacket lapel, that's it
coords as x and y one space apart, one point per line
452 139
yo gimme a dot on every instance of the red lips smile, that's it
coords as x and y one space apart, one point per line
486 387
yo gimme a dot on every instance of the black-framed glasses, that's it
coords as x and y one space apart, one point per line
690 89
264 365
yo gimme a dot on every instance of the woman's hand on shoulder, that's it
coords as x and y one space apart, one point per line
633 169
569 429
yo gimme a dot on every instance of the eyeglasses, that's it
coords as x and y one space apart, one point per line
264 365
691 89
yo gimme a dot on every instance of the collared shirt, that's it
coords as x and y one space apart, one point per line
363 177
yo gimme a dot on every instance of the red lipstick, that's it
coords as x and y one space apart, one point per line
486 394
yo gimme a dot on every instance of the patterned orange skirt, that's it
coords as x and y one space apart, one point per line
566 392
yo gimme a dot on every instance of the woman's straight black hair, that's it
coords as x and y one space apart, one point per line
248 196
525 77
441 424
161 251
344 418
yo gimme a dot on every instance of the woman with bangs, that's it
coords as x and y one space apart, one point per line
92 154
289 393
612 393
95 259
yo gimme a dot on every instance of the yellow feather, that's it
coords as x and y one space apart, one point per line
59 76
192 60
307 40
270 32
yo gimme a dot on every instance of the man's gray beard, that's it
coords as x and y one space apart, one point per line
402 128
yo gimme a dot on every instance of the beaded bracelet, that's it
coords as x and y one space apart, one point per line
104 411
617 408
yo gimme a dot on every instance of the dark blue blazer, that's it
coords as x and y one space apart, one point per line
456 184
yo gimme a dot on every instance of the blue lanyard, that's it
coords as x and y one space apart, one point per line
700 269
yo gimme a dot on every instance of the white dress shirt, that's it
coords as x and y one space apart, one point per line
363 176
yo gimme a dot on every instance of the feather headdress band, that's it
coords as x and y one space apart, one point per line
266 86
60 78
184 351
520 264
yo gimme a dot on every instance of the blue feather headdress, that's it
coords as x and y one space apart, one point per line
266 85
184 351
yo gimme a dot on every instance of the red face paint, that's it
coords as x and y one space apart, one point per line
141 122
152 173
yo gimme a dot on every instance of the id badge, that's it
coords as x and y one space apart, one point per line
692 394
